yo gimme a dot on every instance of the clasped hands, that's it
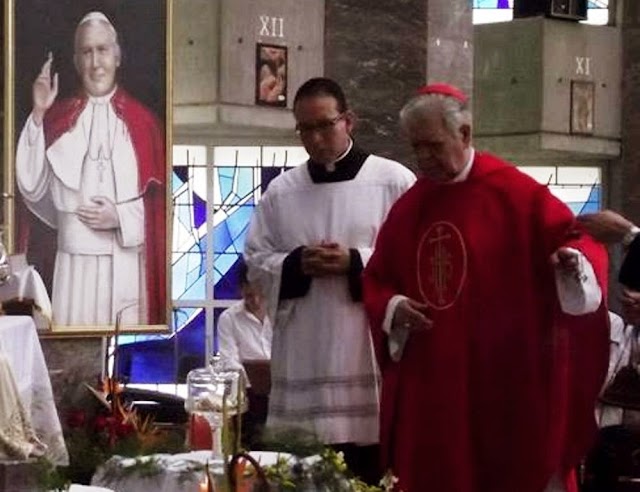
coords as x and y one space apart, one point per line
326 258
101 215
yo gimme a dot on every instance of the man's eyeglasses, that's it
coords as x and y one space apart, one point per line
319 126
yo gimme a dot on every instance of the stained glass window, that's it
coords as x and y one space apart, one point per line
215 191
579 187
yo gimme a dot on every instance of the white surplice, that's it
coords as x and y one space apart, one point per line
324 375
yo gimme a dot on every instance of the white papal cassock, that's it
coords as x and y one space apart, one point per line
324 375
97 272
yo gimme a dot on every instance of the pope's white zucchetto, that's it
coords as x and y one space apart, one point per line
95 16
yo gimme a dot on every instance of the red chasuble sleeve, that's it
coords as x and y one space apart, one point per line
581 354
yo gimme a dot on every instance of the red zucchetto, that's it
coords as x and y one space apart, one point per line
445 90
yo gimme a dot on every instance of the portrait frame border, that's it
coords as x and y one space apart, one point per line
9 186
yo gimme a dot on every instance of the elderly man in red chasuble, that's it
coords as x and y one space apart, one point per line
488 319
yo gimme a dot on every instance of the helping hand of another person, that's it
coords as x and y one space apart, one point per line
325 259
607 226
102 216
45 91
411 315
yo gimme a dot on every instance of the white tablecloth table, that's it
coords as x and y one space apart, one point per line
25 283
20 344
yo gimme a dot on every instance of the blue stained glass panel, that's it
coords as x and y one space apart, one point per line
226 187
181 173
221 237
593 202
199 211
189 276
227 285
245 182
183 215
222 263
166 359
239 221
492 4
267 175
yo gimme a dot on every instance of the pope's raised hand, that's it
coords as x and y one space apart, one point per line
45 91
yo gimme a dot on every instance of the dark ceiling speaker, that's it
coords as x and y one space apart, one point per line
575 10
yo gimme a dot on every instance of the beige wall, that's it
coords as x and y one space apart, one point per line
522 94
214 49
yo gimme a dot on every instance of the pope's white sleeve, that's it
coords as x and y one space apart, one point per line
131 217
579 293
32 170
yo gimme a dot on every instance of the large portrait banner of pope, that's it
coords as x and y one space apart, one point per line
88 118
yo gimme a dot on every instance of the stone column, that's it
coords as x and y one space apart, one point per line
380 52
72 362
629 12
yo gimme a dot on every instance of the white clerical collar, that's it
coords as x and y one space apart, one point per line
331 166
464 174
103 99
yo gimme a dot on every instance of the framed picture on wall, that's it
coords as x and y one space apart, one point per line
271 75
89 125
582 107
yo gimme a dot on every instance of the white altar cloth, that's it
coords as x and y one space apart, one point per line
25 283
20 344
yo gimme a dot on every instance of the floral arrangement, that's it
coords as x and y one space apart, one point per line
101 429
98 425
306 465
324 472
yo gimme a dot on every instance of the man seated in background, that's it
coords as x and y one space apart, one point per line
244 341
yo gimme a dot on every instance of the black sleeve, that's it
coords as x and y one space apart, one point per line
294 283
354 275
629 274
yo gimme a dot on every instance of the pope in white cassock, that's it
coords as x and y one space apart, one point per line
93 167
311 234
